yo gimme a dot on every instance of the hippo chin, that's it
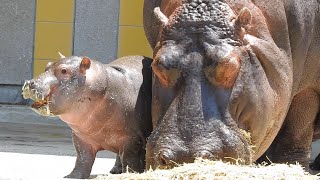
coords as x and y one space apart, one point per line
232 78
107 106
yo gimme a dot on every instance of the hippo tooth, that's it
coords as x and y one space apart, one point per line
24 91
48 111
24 86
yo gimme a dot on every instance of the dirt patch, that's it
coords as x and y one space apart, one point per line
204 169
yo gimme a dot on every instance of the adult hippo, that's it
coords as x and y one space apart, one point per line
107 106
233 77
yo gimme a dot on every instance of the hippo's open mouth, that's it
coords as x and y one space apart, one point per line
41 106
41 101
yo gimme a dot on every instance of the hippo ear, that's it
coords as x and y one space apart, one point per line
244 18
49 65
160 16
85 64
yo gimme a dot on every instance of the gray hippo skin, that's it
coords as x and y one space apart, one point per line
233 78
107 106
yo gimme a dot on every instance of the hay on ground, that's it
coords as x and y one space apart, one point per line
209 170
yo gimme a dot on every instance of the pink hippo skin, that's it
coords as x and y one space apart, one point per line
107 106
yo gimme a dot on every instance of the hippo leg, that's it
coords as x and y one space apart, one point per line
133 157
315 165
117 168
85 158
293 143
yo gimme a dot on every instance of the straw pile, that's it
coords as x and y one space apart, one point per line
205 170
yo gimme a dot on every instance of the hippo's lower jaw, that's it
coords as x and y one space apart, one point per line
41 102
42 107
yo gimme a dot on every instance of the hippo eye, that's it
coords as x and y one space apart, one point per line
166 76
63 71
224 73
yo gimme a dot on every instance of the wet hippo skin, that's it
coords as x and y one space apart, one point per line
107 106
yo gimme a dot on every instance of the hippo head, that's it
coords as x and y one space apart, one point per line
53 90
212 95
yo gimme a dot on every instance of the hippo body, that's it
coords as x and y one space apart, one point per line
233 79
107 106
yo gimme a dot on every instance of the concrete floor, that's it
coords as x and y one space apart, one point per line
16 166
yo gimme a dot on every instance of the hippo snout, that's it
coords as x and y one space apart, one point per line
38 90
227 146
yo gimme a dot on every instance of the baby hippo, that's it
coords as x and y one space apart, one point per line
107 106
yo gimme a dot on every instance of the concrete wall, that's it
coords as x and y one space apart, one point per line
16 47
96 29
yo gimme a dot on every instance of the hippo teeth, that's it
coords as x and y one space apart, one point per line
26 91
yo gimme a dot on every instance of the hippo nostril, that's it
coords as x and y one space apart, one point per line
165 158
204 154
31 84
